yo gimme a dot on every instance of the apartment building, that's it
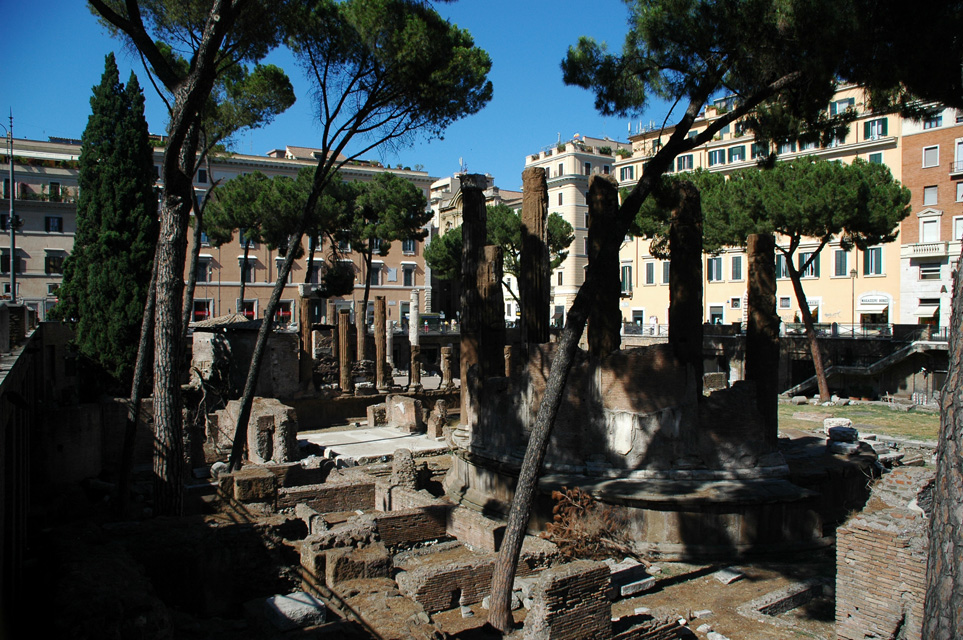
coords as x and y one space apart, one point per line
45 175
568 166
45 206
843 286
930 236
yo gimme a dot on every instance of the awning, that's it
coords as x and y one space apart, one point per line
872 308
926 310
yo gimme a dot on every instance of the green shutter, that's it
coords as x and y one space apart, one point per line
866 130
883 128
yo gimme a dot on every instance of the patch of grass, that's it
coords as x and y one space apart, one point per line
915 425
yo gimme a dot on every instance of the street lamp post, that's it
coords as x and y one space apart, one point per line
852 277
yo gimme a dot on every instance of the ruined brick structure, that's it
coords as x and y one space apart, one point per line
881 560
569 603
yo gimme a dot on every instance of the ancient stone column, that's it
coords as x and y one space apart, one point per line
390 346
306 351
331 313
446 381
474 222
605 317
491 336
685 279
414 377
360 325
534 282
344 353
331 318
381 366
414 318
762 331
508 360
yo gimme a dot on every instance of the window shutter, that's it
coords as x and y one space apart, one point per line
866 130
816 265
883 127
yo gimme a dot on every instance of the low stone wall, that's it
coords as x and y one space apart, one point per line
881 558
410 526
569 603
352 495
445 586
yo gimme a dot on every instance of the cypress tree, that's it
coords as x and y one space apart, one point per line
107 275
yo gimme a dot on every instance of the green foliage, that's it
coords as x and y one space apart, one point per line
387 209
107 275
504 229
408 67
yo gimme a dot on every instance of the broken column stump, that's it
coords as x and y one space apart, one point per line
414 378
605 318
473 230
381 364
492 322
438 419
446 381
346 382
403 471
534 283
685 279
762 331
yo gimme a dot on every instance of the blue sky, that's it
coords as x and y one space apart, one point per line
55 53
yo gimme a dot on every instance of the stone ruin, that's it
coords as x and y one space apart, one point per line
693 475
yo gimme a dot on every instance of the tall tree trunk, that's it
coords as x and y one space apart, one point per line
312 246
807 318
188 310
943 607
136 392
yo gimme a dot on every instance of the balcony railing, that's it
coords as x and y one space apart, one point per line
956 167
925 249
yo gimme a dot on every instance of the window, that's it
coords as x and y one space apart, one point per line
278 263
53 224
586 219
933 122
408 247
201 310
665 272
714 269
344 246
54 191
53 262
6 187
929 195
247 269
958 228
626 279
736 266
931 156
585 246
248 308
782 269
558 278
930 271
756 150
735 303
959 191
807 145
606 169
649 273
52 288
374 276
716 314
156 173
202 176
812 271
841 263
717 157
627 173
561 170
784 302
205 241
376 244
5 262
588 168
737 154
560 199
283 314
839 106
930 230
684 163
3 222
788 146
875 129
408 273
873 261
876 158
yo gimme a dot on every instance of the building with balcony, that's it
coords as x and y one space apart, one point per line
568 166
932 168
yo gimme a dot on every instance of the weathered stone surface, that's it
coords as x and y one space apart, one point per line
272 431
628 577
605 317
569 602
344 563
403 471
345 381
836 422
844 448
438 419
728 575
842 434
252 484
714 380
762 329
405 413
314 520
534 282
377 415
294 610
446 379
799 400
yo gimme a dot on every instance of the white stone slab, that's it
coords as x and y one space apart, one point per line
294 610
359 446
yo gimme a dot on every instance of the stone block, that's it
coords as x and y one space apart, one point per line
799 400
728 575
294 611
405 413
377 415
403 472
628 578
836 422
370 561
843 434
314 520
438 419
254 484
844 448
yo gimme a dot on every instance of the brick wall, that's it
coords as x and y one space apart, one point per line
412 525
331 497
569 603
881 562
440 587
916 177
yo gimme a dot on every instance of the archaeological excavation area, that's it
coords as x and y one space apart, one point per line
379 469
